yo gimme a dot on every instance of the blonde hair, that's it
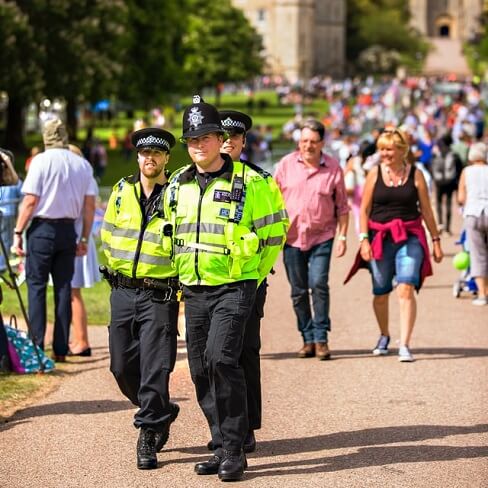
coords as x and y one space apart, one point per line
394 137
75 149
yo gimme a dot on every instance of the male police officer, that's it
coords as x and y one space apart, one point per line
223 219
237 124
137 240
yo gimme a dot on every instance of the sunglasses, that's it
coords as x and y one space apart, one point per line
398 133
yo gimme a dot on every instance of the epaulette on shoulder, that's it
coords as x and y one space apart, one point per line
175 176
120 184
260 171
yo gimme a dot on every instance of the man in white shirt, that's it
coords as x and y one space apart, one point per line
55 191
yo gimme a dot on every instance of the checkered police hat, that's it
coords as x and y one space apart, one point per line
235 122
201 118
152 138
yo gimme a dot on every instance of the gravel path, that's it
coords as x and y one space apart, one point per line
354 421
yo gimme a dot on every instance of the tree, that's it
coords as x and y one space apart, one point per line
152 67
20 74
66 49
83 45
219 45
382 24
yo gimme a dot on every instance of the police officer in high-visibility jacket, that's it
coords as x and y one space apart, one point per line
223 221
137 241
237 124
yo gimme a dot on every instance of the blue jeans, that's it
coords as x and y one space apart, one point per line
308 271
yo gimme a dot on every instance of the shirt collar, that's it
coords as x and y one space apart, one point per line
228 169
322 163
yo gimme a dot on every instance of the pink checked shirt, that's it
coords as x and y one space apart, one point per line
314 198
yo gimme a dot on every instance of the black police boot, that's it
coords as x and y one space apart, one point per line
210 445
163 436
232 466
146 449
211 466
249 442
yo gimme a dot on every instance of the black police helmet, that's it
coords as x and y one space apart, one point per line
201 118
152 138
235 122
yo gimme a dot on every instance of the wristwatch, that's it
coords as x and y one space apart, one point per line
342 238
83 240
363 236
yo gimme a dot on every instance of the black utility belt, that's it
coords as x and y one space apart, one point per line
146 283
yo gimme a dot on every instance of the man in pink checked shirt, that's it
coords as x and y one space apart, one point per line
312 185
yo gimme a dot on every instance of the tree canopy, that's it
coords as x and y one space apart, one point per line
379 29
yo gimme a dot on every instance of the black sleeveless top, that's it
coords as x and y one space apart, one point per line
395 202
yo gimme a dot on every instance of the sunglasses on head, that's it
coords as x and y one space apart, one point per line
395 131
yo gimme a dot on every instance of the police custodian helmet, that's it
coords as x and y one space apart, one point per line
235 122
152 138
201 118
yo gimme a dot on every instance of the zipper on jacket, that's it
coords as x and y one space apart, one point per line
139 241
202 192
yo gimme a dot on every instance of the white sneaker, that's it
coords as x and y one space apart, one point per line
381 348
404 355
480 301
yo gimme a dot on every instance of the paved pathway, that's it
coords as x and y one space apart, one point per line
446 57
354 421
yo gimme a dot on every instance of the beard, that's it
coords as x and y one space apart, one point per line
152 172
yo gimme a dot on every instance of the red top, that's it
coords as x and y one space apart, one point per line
399 231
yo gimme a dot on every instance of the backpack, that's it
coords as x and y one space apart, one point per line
22 351
445 168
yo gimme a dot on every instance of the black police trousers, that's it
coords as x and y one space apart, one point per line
250 359
142 343
215 322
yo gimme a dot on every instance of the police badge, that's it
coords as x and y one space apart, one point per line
195 117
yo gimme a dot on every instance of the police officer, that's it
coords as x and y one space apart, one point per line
137 241
223 219
237 124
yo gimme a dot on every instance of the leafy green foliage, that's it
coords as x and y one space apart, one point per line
379 35
152 66
219 45
20 54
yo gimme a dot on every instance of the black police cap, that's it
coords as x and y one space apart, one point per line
201 118
235 122
154 138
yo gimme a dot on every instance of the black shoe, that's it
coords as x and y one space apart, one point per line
146 450
210 446
249 442
232 466
163 436
85 353
209 467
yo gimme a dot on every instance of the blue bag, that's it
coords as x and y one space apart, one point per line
22 352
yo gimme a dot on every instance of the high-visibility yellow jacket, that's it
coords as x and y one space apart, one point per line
131 248
218 237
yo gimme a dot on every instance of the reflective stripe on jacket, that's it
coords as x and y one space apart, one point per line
130 249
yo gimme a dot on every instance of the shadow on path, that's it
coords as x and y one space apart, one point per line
441 352
367 457
86 407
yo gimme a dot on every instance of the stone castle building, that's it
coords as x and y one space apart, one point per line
453 19
301 38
